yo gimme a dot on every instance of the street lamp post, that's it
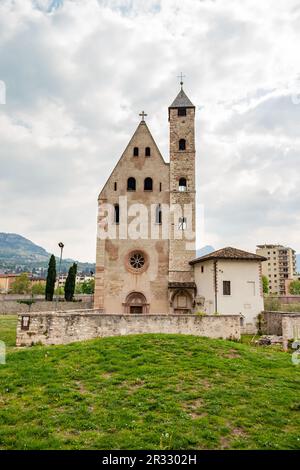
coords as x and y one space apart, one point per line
61 246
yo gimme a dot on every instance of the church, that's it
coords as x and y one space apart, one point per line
146 255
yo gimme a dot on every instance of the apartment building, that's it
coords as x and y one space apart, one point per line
280 265
7 280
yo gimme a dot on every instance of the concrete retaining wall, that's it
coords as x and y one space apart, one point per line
67 327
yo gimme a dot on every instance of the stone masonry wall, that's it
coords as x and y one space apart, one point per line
272 323
13 307
284 324
67 327
182 164
289 299
114 278
290 328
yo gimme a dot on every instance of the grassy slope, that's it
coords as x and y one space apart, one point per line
8 324
150 391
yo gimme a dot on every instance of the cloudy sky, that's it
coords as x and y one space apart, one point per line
77 74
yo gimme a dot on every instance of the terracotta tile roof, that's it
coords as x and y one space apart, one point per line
8 275
229 253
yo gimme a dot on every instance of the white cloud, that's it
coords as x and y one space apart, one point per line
77 74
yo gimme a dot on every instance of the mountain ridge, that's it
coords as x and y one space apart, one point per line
18 251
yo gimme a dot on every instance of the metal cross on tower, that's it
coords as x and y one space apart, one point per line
181 78
143 114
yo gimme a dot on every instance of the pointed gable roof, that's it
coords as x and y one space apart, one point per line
143 125
142 128
229 253
182 101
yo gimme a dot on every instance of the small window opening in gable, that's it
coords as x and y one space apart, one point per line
148 184
182 185
160 187
181 111
182 144
136 152
158 215
148 152
226 288
115 186
202 269
182 223
117 214
131 184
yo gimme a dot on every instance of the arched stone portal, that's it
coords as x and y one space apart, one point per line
181 302
136 303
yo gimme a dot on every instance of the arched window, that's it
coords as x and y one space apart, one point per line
117 214
147 151
182 185
158 214
148 184
131 184
136 152
182 144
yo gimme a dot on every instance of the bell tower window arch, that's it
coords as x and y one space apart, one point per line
182 186
182 144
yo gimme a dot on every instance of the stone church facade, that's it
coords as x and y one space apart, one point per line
145 261
150 272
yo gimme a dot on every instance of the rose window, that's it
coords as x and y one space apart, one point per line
137 260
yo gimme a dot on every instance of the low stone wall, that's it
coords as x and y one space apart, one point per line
272 323
85 297
290 328
12 306
67 327
283 324
249 329
289 299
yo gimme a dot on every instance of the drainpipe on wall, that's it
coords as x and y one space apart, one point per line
216 286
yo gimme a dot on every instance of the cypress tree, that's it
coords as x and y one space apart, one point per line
70 283
51 278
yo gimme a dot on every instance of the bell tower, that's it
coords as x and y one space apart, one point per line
182 192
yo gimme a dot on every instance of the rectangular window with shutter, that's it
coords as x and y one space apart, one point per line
226 288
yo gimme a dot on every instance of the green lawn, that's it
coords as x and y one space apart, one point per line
8 325
148 391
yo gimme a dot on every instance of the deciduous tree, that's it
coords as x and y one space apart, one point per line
294 287
265 282
21 284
